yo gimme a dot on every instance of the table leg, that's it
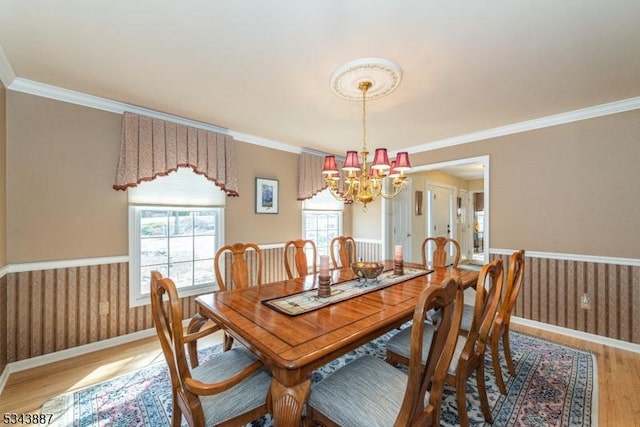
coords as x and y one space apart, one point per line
287 403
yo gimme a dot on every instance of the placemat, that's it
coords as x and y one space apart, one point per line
306 301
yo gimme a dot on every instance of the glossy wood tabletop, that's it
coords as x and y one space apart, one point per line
293 346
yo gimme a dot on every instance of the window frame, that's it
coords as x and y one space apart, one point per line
340 214
136 296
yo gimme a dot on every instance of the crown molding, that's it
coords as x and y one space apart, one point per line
60 94
78 98
7 76
529 125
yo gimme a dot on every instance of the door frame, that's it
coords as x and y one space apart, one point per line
387 236
406 219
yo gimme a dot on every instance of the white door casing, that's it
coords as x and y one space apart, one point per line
401 209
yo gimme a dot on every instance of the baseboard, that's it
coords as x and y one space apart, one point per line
624 345
57 356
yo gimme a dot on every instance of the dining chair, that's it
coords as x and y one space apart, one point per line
440 253
370 392
301 249
500 328
245 262
241 263
232 388
344 247
471 345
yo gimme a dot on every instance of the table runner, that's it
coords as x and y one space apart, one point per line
306 301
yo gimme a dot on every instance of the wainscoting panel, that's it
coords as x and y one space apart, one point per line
58 309
553 289
44 311
368 250
3 321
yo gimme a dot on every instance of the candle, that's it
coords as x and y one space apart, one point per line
324 265
398 252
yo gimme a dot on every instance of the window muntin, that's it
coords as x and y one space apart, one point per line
179 242
322 227
322 220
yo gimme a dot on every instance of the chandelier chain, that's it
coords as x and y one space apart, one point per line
364 87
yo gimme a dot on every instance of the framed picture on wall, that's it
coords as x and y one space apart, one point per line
266 196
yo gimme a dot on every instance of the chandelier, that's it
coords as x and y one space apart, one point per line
364 183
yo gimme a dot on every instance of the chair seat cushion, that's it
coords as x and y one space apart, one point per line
467 317
400 344
243 397
366 392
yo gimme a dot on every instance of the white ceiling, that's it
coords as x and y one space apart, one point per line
263 67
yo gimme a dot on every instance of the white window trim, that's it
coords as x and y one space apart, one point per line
137 298
340 213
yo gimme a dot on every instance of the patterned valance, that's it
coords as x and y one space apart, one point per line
152 147
310 179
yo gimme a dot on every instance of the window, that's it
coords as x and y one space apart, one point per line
322 220
168 235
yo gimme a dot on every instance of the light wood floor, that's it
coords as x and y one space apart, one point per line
618 376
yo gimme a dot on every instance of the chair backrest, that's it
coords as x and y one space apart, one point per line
440 254
488 293
167 318
515 277
449 297
246 264
345 247
300 260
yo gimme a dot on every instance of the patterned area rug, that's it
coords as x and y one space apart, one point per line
554 386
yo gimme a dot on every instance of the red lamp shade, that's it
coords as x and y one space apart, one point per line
330 167
393 172
402 161
351 163
374 173
381 159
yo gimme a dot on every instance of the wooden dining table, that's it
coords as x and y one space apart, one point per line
292 346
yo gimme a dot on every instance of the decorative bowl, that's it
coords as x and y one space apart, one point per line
367 270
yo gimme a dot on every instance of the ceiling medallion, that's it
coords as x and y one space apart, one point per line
357 180
383 74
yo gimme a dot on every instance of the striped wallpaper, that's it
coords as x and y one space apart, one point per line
553 288
44 311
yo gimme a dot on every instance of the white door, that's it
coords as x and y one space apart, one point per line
440 211
440 215
401 222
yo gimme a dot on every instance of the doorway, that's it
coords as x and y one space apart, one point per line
440 216
474 169
401 220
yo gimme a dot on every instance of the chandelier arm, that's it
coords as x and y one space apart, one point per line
397 189
334 192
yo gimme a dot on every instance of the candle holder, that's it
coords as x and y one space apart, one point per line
398 267
324 286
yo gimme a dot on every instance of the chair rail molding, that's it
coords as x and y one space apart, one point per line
571 257
69 263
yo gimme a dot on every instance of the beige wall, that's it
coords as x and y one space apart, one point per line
366 224
3 176
3 223
569 189
573 188
242 224
62 206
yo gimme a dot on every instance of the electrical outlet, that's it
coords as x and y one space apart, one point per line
103 308
585 302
